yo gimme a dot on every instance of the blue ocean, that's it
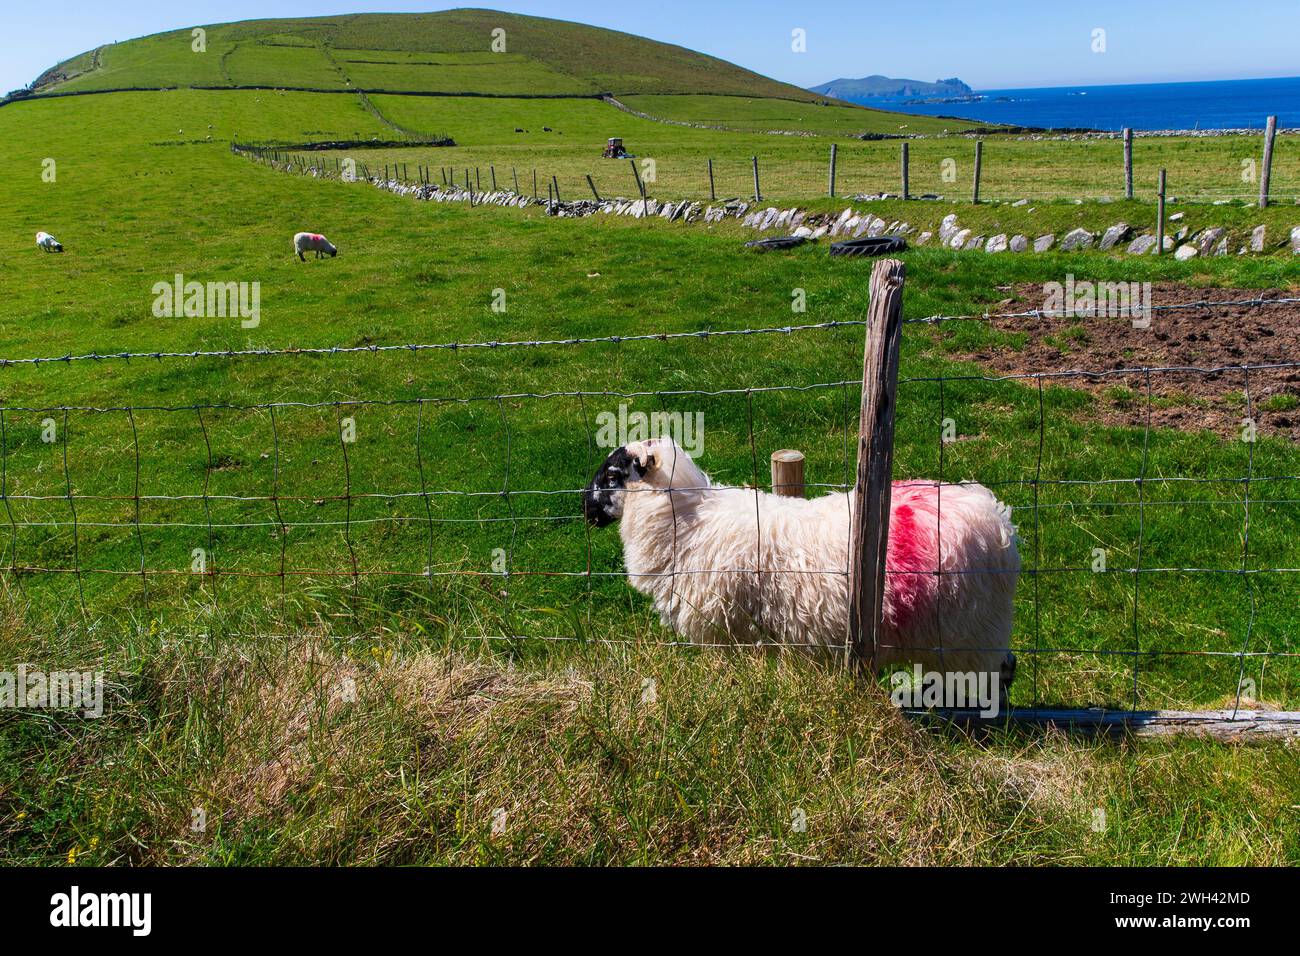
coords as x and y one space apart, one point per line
1221 104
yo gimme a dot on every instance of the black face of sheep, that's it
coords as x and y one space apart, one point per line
602 499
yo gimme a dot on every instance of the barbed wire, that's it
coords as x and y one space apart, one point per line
414 347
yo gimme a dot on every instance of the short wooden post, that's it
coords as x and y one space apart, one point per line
1270 133
556 183
593 187
713 196
514 174
534 183
443 171
493 171
979 163
906 194
830 186
787 473
405 178
758 195
478 187
869 505
1160 215
1128 162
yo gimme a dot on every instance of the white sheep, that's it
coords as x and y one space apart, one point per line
313 242
48 243
694 547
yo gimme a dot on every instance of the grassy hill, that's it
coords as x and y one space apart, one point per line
452 53
433 52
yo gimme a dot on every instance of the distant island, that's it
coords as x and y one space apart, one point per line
874 88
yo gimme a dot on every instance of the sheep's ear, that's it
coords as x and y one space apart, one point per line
651 463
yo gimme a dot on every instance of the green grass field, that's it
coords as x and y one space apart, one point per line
227 695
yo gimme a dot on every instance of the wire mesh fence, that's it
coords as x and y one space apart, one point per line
1159 569
1199 169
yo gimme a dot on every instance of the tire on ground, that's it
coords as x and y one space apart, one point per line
870 246
775 242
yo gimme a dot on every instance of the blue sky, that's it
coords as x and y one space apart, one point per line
997 43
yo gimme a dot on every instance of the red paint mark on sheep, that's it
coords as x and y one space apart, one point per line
910 561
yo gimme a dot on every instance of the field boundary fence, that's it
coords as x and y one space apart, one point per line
956 167
50 532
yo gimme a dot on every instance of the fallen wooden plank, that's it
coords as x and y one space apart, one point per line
1241 726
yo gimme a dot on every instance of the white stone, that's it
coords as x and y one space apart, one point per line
1076 239
948 228
1142 245
1114 234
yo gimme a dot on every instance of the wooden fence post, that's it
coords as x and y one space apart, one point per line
556 183
593 187
869 504
787 473
1270 133
758 195
640 186
905 184
477 185
979 163
405 177
1128 162
1160 215
514 174
831 185
493 171
534 183
713 196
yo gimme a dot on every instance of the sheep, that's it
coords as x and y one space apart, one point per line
693 546
313 242
48 243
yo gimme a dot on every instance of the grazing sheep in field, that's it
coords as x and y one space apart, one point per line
313 242
48 243
694 547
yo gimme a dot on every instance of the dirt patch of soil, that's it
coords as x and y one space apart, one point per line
1213 337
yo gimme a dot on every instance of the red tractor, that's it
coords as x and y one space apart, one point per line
614 149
